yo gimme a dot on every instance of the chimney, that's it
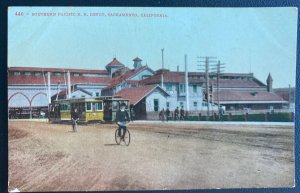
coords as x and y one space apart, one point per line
177 68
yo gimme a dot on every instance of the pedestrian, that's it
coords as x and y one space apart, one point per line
75 118
162 115
221 112
132 114
181 113
122 118
176 113
167 114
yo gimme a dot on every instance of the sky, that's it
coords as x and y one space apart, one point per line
257 40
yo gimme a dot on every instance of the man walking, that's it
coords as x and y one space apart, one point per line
181 114
167 114
75 118
176 112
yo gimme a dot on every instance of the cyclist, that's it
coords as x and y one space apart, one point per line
121 118
75 118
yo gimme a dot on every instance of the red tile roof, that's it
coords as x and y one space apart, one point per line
71 70
135 95
114 63
242 95
179 77
36 80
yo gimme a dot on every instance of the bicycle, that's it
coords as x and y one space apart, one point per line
125 139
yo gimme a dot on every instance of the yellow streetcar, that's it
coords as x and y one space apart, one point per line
102 109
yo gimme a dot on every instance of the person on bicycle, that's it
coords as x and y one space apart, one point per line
121 118
75 118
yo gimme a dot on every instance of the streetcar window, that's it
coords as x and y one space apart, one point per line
115 105
88 106
99 106
64 107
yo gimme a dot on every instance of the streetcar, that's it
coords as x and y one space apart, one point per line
97 109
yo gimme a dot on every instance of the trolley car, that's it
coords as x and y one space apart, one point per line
102 109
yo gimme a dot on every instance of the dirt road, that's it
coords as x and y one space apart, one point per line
49 157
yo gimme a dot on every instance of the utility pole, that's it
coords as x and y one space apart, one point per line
186 84
162 72
207 62
218 68
289 96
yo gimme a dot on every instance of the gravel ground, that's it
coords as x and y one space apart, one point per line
49 157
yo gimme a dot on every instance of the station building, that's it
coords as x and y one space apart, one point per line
33 88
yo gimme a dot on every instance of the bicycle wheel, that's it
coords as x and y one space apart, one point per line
117 137
126 139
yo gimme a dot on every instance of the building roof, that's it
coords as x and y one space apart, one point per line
269 79
71 70
74 89
234 96
41 80
136 94
115 63
179 77
124 77
137 59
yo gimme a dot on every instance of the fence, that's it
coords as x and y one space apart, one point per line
255 117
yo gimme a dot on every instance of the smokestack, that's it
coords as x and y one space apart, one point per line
69 85
49 88
186 84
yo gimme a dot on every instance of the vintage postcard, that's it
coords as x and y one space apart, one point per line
123 98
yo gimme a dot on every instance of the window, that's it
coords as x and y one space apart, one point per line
82 96
204 104
156 104
99 106
145 76
27 73
37 73
169 87
168 104
195 104
76 74
97 94
181 104
17 73
88 107
57 74
195 88
181 88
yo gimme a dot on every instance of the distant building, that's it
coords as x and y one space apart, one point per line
28 88
145 99
287 94
244 91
